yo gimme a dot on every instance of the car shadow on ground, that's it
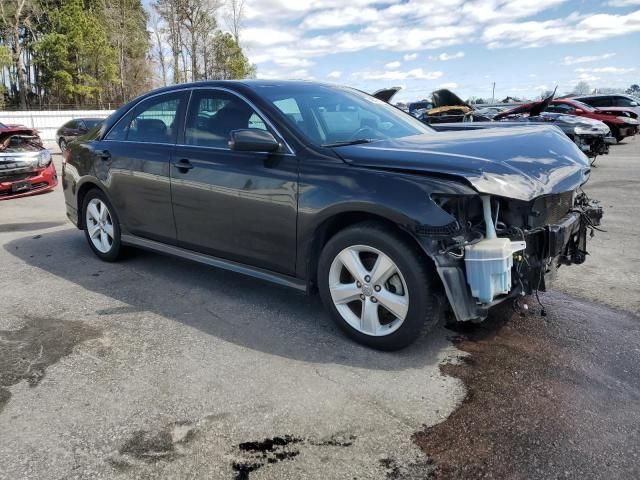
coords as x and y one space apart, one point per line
235 308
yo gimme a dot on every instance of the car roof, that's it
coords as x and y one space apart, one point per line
595 95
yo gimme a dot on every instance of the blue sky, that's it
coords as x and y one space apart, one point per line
524 46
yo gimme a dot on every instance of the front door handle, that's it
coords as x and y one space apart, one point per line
105 155
183 164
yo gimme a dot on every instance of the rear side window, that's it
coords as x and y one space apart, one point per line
155 120
600 102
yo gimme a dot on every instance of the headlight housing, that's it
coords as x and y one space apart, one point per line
44 158
588 131
630 121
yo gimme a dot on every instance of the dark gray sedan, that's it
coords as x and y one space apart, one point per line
328 189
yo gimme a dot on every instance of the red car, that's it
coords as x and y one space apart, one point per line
26 166
620 120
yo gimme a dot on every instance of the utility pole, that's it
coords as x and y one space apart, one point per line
493 93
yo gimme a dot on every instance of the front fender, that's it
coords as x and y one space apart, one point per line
332 190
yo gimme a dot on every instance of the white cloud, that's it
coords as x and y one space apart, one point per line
415 74
572 29
586 59
623 3
450 85
616 70
586 77
344 17
293 62
392 65
300 74
408 57
446 56
335 74
262 36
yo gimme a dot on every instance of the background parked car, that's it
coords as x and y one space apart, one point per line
621 125
613 100
73 129
25 165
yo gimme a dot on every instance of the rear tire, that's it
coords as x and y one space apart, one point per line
377 286
101 226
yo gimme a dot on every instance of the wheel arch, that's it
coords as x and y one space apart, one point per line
82 191
337 222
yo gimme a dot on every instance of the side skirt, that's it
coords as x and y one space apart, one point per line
262 274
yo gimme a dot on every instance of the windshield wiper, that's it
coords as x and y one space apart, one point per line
348 142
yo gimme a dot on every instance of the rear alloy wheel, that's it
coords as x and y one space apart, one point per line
377 286
101 226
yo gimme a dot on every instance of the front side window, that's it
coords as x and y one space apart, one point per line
327 115
559 108
214 114
154 120
625 102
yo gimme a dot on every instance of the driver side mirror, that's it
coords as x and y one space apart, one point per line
253 140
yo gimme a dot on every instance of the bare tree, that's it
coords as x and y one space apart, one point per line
159 41
169 11
582 88
15 17
234 18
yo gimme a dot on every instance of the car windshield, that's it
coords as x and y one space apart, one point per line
334 116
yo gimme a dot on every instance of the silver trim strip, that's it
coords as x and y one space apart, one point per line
255 272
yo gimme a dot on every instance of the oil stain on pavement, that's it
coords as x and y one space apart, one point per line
258 454
26 353
548 397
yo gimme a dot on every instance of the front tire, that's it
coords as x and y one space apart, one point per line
101 226
377 286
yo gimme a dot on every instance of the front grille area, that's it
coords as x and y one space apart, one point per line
16 177
550 209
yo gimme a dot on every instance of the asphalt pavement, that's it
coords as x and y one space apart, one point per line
155 367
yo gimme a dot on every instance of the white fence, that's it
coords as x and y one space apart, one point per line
48 121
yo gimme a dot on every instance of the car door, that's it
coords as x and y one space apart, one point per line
240 206
134 164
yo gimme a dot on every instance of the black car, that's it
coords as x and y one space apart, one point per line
619 100
75 128
322 187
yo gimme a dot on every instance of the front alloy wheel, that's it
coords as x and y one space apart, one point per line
368 290
376 283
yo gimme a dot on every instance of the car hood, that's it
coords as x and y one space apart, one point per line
520 162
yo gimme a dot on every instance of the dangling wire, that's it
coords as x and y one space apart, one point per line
543 312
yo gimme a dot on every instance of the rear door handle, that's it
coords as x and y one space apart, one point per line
105 155
183 164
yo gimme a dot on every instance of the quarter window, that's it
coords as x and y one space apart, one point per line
214 114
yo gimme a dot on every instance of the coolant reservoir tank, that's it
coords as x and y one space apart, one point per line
488 264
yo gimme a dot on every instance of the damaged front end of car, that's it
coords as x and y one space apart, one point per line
26 166
501 248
